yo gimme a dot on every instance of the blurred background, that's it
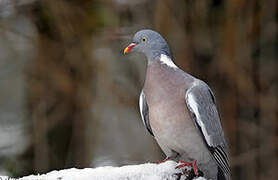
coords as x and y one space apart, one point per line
69 98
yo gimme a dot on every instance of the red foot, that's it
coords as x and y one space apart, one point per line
164 160
192 164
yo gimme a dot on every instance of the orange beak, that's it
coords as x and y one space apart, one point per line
129 47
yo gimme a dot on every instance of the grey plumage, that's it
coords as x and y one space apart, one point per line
208 122
179 110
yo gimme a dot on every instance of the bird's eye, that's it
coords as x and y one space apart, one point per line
144 39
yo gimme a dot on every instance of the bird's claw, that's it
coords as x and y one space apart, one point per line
191 164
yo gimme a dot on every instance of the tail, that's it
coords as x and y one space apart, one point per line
222 176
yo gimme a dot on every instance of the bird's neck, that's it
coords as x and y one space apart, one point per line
156 54
162 58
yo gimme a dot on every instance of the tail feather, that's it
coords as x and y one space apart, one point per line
221 175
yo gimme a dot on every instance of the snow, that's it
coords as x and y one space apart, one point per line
148 171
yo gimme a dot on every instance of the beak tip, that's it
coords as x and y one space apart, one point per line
128 48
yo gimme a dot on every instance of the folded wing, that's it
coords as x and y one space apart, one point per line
201 103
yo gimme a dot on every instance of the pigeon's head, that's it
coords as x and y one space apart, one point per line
150 43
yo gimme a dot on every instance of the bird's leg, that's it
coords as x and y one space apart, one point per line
192 164
164 160
195 169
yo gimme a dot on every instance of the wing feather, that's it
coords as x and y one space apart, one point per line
144 111
201 103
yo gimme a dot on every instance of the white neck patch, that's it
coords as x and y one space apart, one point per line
168 61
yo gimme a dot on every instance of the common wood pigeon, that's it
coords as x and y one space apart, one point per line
179 110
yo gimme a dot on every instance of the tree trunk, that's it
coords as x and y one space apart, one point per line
60 84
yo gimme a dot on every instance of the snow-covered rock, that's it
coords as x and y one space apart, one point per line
148 171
